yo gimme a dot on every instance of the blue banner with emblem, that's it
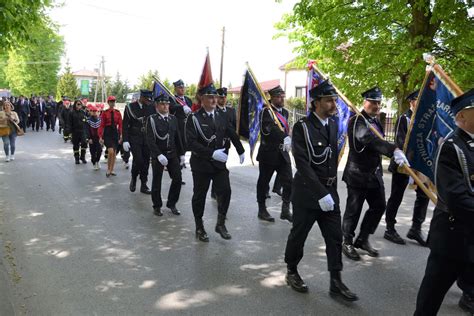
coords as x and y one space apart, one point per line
160 88
432 122
343 110
251 105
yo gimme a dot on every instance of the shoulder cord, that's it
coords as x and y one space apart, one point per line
156 135
133 115
327 153
353 135
261 118
197 126
464 167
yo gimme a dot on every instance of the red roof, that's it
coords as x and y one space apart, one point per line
265 85
85 73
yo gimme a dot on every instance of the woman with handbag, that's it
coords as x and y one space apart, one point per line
8 122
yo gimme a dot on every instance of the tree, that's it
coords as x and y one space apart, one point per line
67 85
119 88
364 43
145 81
33 68
20 19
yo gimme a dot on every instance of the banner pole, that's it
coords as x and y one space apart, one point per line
405 167
265 99
164 88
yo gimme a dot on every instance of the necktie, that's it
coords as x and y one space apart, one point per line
327 129
112 123
166 119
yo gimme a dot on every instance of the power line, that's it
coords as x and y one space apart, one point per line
31 62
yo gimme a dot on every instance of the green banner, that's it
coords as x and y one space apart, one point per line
85 87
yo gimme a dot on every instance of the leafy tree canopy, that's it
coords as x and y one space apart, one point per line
19 18
372 42
67 85
32 68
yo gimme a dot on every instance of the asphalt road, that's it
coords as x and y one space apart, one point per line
74 242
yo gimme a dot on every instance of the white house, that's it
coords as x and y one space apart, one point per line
293 80
85 79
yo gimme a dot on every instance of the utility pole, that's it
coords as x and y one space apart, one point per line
100 84
222 56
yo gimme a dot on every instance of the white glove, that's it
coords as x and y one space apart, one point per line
187 109
182 160
220 155
400 158
126 146
242 158
287 144
163 160
326 203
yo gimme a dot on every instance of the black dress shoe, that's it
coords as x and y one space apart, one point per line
202 235
133 184
393 236
222 230
467 303
350 252
294 280
365 245
417 235
174 210
339 289
183 183
144 189
157 211
265 216
286 216
83 160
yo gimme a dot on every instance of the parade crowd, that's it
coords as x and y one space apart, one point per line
159 130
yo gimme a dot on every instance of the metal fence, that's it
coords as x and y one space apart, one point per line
387 119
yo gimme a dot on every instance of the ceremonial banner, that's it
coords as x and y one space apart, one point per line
343 114
250 108
206 75
159 88
431 121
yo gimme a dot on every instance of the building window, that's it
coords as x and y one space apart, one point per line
300 92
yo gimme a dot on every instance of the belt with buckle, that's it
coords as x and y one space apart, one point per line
328 181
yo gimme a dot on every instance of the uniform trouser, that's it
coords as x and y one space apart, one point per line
441 272
79 142
23 120
201 182
96 151
41 120
399 184
50 122
174 170
141 161
375 197
330 225
266 171
35 122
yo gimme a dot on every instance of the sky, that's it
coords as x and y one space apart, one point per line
172 36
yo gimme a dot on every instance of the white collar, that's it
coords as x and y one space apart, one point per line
324 122
163 115
223 108
209 113
141 105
